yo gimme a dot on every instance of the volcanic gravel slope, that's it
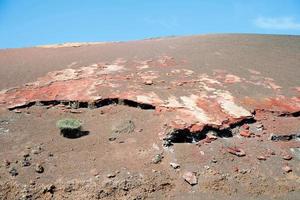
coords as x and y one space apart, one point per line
212 116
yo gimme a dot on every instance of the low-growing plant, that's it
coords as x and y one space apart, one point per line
70 128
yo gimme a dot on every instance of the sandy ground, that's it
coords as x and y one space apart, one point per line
37 162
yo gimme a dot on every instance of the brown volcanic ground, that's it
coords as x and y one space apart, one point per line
274 56
229 91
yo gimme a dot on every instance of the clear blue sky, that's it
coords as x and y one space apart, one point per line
35 22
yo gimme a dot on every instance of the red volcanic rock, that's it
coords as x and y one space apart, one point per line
236 151
245 133
246 126
196 128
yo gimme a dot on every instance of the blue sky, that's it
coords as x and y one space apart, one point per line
26 23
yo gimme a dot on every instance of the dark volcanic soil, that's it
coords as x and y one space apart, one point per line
268 54
126 152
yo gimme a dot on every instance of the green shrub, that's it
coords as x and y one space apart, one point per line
68 123
69 127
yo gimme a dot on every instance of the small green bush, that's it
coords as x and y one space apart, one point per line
69 127
73 124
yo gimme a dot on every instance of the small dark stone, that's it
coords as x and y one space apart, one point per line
39 168
175 165
13 171
111 175
49 188
26 155
112 138
26 163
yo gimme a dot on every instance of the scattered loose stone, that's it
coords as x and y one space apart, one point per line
190 178
236 151
243 171
6 163
245 133
94 172
111 175
26 155
148 82
25 163
206 167
157 158
13 171
214 160
32 182
28 147
211 136
260 127
287 157
287 169
49 188
24 195
112 138
175 165
36 150
246 126
261 158
39 168
271 152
